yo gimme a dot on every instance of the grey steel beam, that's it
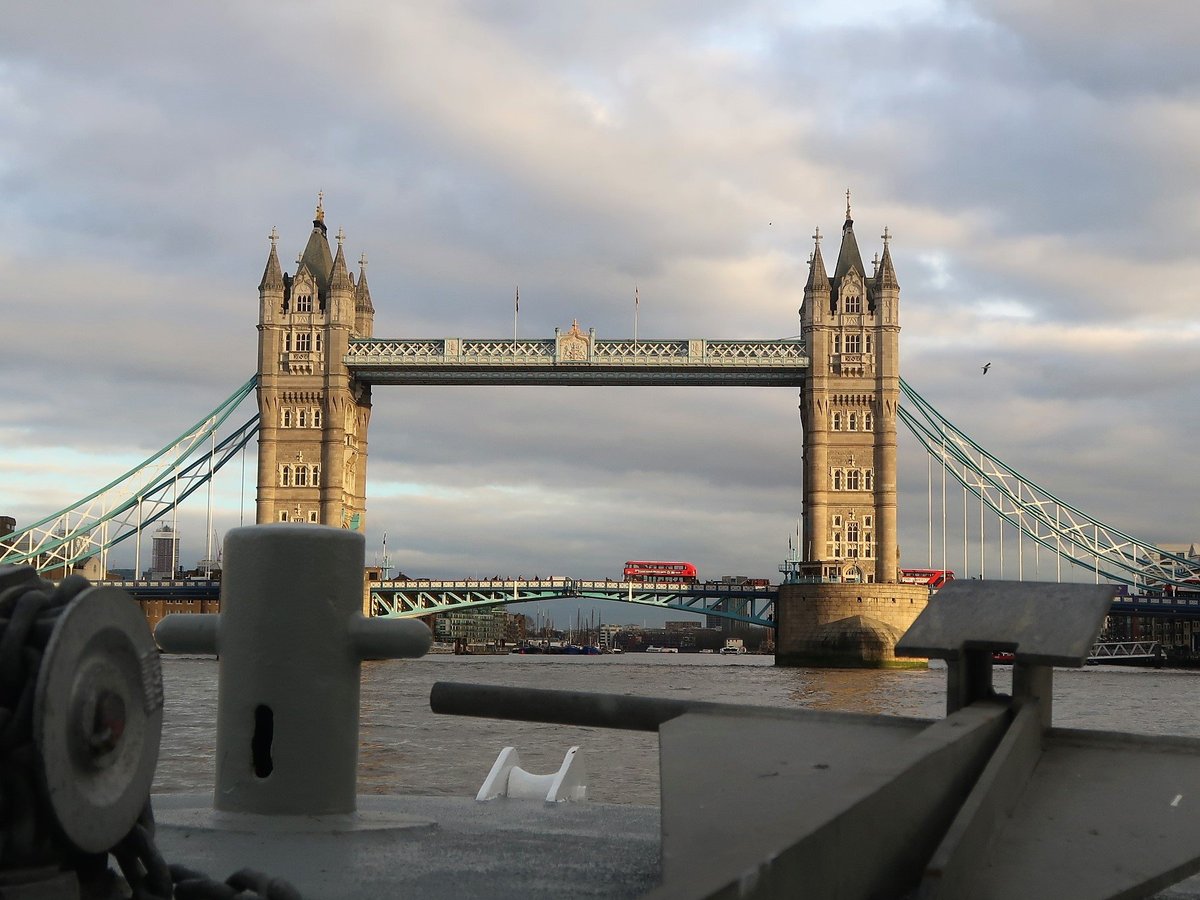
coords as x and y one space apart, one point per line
578 374
989 803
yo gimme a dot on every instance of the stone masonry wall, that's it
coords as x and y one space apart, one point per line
804 610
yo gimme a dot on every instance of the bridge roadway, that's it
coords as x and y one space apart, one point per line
423 597
754 605
579 358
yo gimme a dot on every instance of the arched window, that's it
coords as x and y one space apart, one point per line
837 421
316 476
868 339
869 481
852 539
837 521
868 422
301 476
283 515
287 342
852 302
852 422
837 343
285 477
837 479
318 341
304 341
316 418
835 546
285 417
868 551
302 418
304 303
852 479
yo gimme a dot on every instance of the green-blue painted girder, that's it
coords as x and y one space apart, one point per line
139 497
148 492
411 599
1038 514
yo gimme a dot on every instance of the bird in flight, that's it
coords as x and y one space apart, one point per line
986 366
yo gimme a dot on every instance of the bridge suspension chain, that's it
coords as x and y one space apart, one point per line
140 497
1036 513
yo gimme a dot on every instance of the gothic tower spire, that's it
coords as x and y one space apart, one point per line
313 413
848 410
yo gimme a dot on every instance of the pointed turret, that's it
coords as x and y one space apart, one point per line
885 276
849 259
364 310
817 277
341 287
272 279
885 289
317 257
339 276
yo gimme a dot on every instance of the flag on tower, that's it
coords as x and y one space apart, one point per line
517 308
635 295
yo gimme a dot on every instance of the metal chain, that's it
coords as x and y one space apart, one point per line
29 839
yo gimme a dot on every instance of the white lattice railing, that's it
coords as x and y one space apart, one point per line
491 349
754 350
470 351
641 350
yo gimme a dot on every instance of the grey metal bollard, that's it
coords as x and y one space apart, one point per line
290 638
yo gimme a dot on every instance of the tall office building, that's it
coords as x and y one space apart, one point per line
165 553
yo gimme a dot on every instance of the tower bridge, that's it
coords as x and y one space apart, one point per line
319 362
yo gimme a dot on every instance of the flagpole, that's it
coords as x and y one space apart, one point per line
635 313
516 309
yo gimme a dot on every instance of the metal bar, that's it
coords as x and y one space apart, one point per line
590 710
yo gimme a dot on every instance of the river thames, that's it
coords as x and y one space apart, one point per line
405 748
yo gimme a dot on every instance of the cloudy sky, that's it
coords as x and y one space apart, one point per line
1036 163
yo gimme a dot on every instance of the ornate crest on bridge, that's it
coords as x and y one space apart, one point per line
574 346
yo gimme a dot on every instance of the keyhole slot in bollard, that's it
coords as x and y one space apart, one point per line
260 743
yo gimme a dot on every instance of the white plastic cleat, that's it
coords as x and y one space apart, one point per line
508 779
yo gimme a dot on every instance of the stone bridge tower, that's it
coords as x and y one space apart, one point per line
848 607
312 440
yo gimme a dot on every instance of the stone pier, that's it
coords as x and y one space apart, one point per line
845 625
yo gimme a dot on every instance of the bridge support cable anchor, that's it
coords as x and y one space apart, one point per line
989 802
290 639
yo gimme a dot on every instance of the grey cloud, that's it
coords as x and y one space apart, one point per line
1022 156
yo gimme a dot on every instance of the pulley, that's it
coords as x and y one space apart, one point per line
97 717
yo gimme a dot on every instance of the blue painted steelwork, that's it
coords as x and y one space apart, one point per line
111 514
409 599
1178 607
140 497
1070 533
170 589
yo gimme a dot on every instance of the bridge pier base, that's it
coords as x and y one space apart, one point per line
845 625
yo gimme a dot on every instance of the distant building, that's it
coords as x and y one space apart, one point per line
164 556
608 636
681 626
480 627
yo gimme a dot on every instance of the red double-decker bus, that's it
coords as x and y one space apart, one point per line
935 578
656 571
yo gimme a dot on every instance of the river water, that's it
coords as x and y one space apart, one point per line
407 749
